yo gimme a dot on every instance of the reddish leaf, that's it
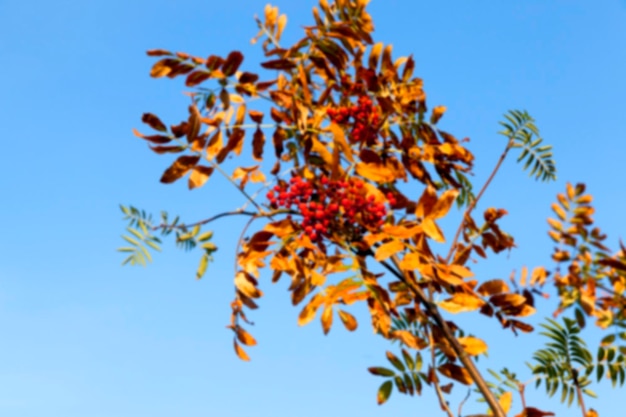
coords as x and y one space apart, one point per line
167 149
232 63
154 122
179 168
455 372
158 52
158 139
278 64
197 77
534 412
248 77
348 320
258 142
245 337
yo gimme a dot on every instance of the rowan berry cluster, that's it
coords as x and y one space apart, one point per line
365 118
328 205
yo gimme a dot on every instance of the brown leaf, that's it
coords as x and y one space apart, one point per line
154 122
534 412
194 123
197 77
199 176
163 67
245 337
159 139
456 372
348 320
240 352
248 78
501 300
158 52
256 116
491 287
179 168
279 64
232 63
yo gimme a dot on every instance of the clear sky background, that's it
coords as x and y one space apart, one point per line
83 336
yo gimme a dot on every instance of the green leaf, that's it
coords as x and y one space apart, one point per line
384 392
380 371
397 363
410 363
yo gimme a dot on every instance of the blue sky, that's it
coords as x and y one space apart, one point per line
83 336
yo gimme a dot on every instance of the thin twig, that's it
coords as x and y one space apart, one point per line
205 221
442 401
475 201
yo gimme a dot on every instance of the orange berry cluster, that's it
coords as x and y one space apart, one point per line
365 117
328 205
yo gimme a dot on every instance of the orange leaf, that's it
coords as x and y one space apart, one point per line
388 249
179 168
432 230
455 372
199 176
409 339
244 283
410 262
241 353
308 312
426 202
472 345
513 300
245 337
348 320
461 302
327 318
592 413
438 111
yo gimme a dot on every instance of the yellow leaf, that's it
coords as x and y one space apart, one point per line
348 320
592 413
410 262
472 345
388 249
199 175
432 230
374 172
461 302
317 279
505 401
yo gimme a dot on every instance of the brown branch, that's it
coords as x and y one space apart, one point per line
467 362
462 403
475 201
205 221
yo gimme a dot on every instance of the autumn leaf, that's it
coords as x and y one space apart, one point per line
455 372
505 401
179 168
244 284
308 312
493 286
348 320
245 337
472 345
441 208
461 303
384 392
431 229
327 318
534 412
388 249
199 175
240 352
154 122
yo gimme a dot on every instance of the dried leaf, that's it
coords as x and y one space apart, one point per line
199 175
154 122
348 320
179 168
491 287
232 63
455 372
327 318
461 302
441 208
245 337
240 352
